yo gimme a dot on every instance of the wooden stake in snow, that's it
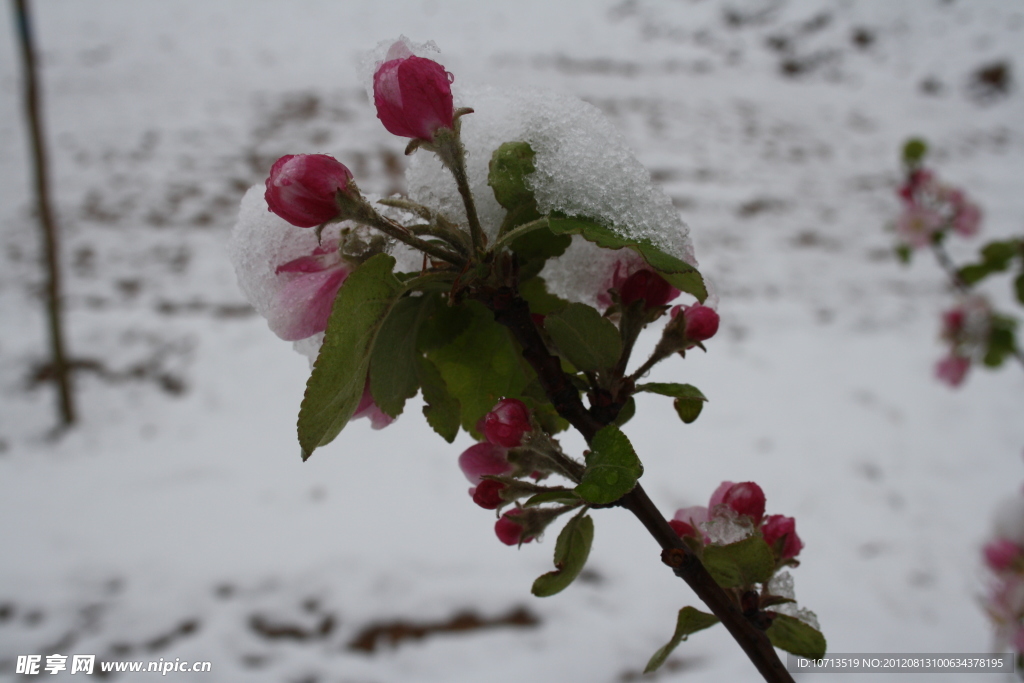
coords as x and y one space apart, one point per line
60 366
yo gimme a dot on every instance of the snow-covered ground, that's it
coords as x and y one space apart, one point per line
177 520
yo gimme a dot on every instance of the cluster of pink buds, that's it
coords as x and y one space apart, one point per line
504 427
734 512
965 329
1004 557
930 209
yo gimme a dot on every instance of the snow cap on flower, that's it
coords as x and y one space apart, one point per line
288 277
583 167
302 187
507 422
781 530
482 459
412 94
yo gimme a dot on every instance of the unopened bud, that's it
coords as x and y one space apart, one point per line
302 188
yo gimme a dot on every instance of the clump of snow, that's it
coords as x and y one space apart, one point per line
726 526
260 242
782 585
583 168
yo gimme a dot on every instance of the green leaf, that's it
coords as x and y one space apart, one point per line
626 413
679 274
672 389
794 636
612 468
914 151
689 621
997 255
338 379
584 337
903 253
393 376
567 497
1001 342
1019 286
974 273
740 564
571 551
442 410
443 324
541 302
688 409
689 399
480 366
509 166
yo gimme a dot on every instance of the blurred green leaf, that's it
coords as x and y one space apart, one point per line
689 621
393 377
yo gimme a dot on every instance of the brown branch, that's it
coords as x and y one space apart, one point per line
513 312
61 368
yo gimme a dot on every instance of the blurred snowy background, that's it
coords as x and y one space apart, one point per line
177 521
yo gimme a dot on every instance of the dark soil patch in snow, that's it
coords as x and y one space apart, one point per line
394 632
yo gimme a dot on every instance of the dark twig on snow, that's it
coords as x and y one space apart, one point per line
61 368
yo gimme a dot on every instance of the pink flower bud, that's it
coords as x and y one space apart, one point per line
647 285
967 220
301 188
488 494
509 531
781 530
482 459
507 422
413 95
745 498
687 520
952 369
1001 554
699 322
917 225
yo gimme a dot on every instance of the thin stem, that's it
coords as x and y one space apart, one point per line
519 231
453 155
393 229
61 367
513 312
950 268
